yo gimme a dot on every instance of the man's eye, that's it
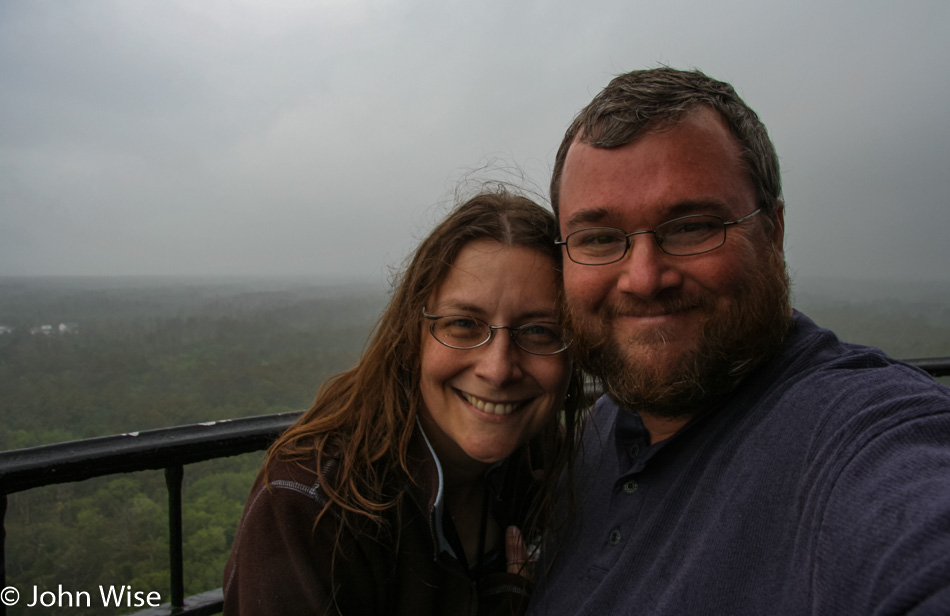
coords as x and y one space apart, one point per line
597 239
693 228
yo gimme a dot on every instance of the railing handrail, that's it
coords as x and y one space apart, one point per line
33 467
934 366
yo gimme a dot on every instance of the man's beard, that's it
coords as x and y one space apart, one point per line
733 342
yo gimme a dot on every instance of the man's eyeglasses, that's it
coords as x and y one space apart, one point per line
463 332
682 237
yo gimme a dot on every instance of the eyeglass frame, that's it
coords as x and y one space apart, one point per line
512 329
659 243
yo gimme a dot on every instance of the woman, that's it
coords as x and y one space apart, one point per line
393 493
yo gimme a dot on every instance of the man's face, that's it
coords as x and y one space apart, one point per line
662 330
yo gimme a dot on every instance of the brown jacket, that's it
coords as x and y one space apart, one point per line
280 565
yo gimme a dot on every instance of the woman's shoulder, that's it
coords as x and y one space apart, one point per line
280 560
304 476
289 488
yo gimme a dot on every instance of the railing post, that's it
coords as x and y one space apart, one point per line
173 480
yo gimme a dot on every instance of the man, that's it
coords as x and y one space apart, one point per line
744 460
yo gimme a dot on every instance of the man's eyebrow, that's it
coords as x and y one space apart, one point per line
602 216
696 206
587 216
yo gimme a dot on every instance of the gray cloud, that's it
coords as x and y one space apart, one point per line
293 138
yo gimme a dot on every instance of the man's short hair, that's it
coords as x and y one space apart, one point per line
640 102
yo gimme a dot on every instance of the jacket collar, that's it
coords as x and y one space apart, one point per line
427 486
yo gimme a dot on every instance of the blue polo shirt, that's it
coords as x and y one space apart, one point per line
821 486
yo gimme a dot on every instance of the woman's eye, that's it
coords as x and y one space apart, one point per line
535 329
462 323
540 331
460 328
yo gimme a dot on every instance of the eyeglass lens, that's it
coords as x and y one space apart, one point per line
463 332
682 237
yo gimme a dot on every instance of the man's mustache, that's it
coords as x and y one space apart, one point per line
629 306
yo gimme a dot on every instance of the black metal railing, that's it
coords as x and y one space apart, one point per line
167 448
171 449
935 366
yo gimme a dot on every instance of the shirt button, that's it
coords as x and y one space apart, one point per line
630 487
634 451
614 537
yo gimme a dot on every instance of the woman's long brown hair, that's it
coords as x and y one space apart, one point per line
363 419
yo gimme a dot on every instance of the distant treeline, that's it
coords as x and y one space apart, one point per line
905 319
152 357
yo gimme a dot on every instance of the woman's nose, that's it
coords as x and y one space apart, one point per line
499 361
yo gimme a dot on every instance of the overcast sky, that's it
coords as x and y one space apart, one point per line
325 137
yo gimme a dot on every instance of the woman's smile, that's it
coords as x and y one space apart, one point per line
492 408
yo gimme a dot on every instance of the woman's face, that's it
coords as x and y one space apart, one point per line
481 404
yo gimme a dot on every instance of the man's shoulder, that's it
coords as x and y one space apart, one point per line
817 362
839 392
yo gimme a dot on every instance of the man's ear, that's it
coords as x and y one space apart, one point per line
777 234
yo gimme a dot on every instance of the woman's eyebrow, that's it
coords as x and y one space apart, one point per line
530 314
538 314
456 307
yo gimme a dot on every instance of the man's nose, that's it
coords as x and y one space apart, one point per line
646 270
500 360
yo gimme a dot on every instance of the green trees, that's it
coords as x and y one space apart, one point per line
214 353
